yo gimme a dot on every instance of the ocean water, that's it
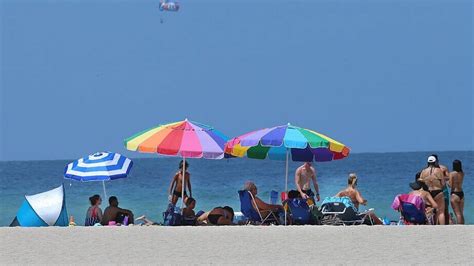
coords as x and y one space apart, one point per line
215 182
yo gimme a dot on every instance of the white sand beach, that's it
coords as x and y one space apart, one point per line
238 245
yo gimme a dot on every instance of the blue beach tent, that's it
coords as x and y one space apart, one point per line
43 209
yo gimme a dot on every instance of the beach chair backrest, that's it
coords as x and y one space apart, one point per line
416 200
411 213
339 203
273 197
246 206
300 212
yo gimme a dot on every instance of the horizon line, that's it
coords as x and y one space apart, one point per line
172 157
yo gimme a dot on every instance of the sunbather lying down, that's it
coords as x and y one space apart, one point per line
145 221
217 216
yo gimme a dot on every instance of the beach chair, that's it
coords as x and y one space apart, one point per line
341 211
299 211
411 208
253 215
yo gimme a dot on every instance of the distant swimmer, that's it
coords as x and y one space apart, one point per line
456 178
303 177
434 177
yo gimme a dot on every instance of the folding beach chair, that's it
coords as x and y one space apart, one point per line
411 208
253 215
341 211
299 211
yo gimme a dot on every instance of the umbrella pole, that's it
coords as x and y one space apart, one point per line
286 180
105 192
182 182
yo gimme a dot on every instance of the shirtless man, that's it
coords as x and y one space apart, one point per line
176 186
355 196
303 176
456 178
434 177
263 207
113 212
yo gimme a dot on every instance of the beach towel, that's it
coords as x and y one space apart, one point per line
344 200
408 198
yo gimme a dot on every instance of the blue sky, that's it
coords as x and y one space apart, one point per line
380 76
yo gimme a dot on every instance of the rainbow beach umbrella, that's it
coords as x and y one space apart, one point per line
285 143
185 139
281 142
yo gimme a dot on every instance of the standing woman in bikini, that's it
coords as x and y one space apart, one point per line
433 177
456 178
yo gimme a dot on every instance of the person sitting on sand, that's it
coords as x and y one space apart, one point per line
94 213
434 177
217 216
259 204
188 211
355 196
456 178
421 189
116 214
176 186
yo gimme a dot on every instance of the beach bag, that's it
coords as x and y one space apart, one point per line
172 217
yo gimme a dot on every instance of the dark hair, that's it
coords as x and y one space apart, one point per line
417 176
94 199
113 200
421 183
186 164
457 166
229 209
423 186
189 201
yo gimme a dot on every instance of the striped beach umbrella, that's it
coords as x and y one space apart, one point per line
285 143
186 139
100 166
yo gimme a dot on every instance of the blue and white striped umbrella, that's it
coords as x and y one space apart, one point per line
101 166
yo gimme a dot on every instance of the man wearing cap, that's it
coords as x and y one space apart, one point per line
433 177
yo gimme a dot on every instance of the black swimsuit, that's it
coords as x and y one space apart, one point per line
214 218
434 192
178 193
460 194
